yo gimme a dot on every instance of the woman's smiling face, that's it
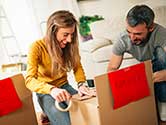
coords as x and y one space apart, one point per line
65 35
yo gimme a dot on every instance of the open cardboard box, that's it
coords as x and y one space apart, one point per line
84 112
99 110
26 114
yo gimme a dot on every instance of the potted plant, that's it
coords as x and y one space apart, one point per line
84 28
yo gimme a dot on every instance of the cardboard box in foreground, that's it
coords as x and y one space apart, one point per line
99 110
26 114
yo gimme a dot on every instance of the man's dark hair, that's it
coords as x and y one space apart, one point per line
140 14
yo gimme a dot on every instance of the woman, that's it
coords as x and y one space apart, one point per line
49 60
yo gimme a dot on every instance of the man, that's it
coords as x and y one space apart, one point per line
144 40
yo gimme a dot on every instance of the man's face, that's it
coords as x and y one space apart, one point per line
138 34
65 35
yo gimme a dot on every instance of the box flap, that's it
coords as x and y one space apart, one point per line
19 83
85 100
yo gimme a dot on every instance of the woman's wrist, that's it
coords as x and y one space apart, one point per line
82 83
52 88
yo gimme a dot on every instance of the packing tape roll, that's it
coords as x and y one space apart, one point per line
62 109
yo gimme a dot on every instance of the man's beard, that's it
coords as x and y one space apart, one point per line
144 41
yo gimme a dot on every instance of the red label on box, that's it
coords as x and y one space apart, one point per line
128 85
9 100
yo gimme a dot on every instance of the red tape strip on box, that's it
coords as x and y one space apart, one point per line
128 85
9 100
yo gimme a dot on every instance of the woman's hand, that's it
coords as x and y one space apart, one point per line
84 90
60 95
159 76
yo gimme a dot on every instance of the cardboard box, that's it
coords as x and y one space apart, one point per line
99 110
26 114
84 112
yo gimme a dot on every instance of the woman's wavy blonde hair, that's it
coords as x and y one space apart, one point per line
67 58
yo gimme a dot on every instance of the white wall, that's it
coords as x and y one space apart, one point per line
112 8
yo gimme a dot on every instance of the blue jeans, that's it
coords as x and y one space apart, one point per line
47 103
159 63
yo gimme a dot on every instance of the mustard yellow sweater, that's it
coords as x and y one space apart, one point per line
38 77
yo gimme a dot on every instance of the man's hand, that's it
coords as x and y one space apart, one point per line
114 63
60 95
159 76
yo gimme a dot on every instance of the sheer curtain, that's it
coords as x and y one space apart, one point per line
21 24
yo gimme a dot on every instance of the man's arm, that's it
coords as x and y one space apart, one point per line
115 62
164 48
160 75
